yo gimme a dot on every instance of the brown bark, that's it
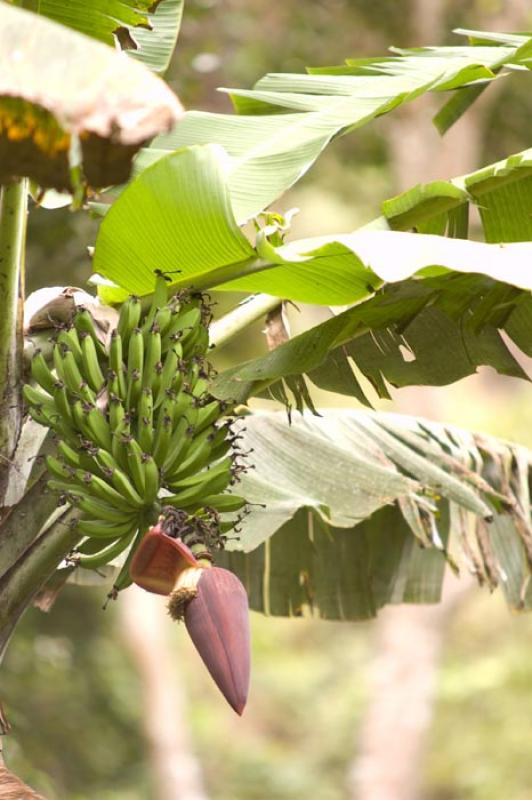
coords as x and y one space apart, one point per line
175 768
402 688
12 788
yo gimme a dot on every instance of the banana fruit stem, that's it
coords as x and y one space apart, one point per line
229 326
13 213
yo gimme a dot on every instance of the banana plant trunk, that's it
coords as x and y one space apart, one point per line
28 554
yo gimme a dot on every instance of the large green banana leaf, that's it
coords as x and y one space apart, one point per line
367 509
411 291
176 203
286 121
47 102
467 312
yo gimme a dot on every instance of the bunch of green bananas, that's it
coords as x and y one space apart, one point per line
134 419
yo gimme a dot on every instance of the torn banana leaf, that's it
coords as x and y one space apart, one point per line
363 509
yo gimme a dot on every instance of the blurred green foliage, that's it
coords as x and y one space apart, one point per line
74 701
479 744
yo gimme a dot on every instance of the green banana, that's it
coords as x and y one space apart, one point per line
68 454
69 340
42 409
101 529
182 323
220 450
224 502
186 407
194 494
90 546
134 367
180 441
46 419
62 402
162 318
117 413
41 373
84 323
73 492
152 357
39 399
129 318
187 478
170 378
70 371
57 468
90 364
152 478
145 420
98 426
145 435
135 465
197 457
101 490
203 442
159 300
119 478
195 342
123 579
116 365
220 440
103 557
118 444
97 509
58 363
163 438
78 416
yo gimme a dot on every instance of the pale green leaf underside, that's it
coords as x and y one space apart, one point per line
178 210
155 46
286 120
341 269
365 509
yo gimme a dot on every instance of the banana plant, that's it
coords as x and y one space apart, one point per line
123 416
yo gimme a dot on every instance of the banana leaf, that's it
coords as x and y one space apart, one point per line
365 509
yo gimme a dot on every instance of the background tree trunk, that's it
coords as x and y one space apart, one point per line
12 788
409 639
175 768
403 675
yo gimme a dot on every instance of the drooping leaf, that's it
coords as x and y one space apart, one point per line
46 104
396 338
333 540
286 121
